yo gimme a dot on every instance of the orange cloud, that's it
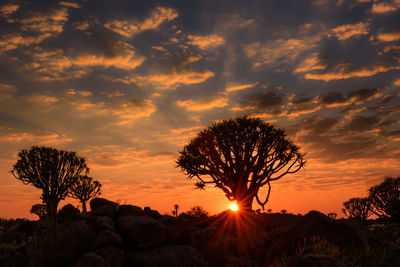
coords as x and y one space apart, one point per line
13 41
206 42
8 9
70 4
344 71
81 25
349 30
240 87
203 104
280 51
166 81
51 22
37 138
44 99
389 37
396 82
76 92
185 130
384 7
311 63
54 65
128 28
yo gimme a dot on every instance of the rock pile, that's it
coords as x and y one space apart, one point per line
126 235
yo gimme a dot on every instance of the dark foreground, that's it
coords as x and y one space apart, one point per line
126 235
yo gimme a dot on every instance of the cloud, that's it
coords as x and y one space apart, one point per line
267 101
347 31
13 41
332 99
280 51
44 99
7 90
310 63
389 37
8 9
70 4
360 123
167 81
203 104
48 20
235 88
358 96
39 137
77 92
385 7
346 71
55 65
128 28
206 42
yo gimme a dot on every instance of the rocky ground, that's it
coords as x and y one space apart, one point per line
126 235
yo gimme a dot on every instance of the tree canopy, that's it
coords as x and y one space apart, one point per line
240 156
51 170
385 198
84 189
358 208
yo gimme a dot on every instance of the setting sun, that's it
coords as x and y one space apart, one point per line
234 206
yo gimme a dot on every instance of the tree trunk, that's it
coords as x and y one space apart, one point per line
83 206
245 203
51 207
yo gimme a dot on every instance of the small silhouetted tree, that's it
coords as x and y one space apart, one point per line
284 211
39 210
176 207
269 211
84 189
197 212
240 156
51 170
332 215
385 198
358 208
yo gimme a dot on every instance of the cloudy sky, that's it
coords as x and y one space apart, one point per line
127 84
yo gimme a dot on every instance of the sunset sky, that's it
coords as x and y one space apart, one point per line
127 84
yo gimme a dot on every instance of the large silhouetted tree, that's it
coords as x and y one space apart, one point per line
84 189
358 208
385 198
240 156
51 170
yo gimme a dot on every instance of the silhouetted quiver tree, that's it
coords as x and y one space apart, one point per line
84 189
176 207
358 208
385 198
39 210
51 170
240 156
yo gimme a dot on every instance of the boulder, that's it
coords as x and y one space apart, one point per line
103 207
152 213
68 213
114 257
166 255
90 260
141 231
104 222
177 228
130 210
108 238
